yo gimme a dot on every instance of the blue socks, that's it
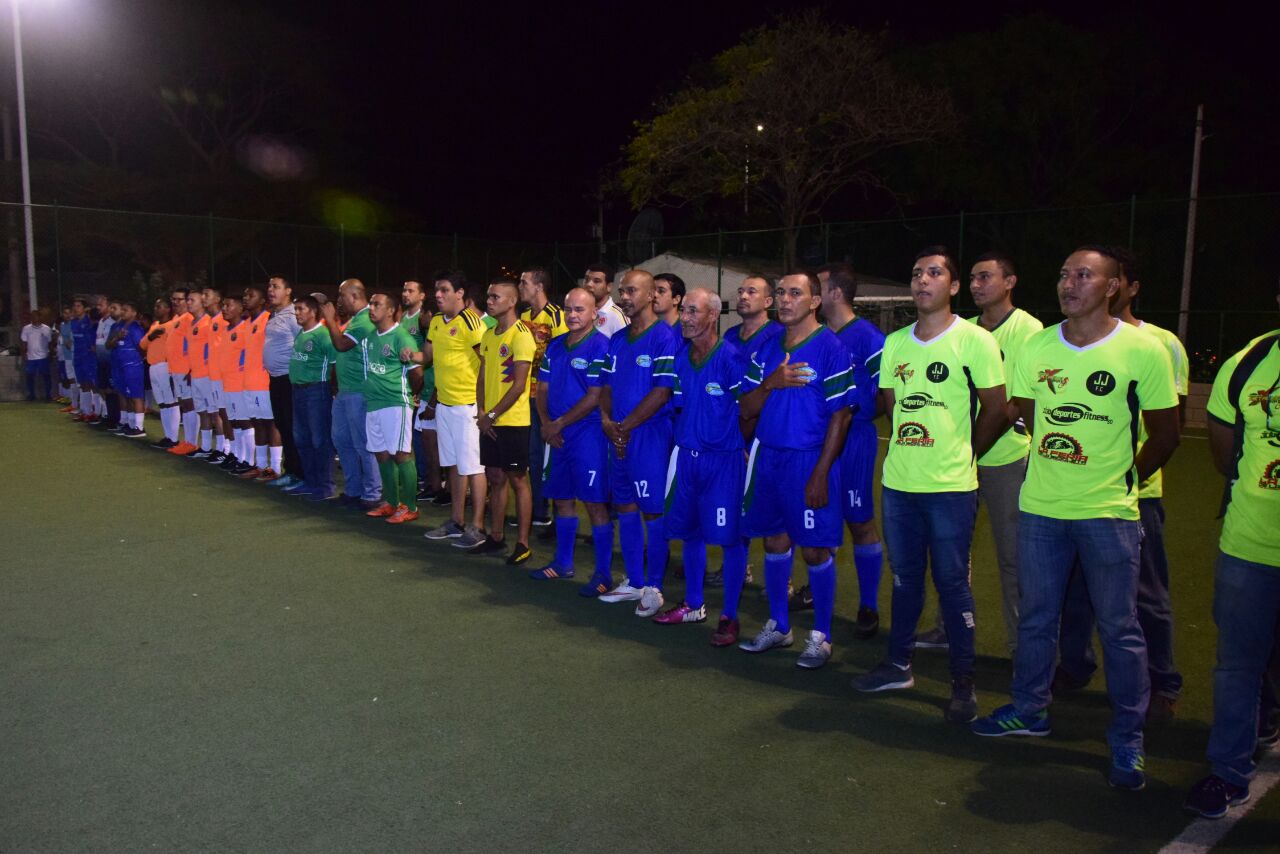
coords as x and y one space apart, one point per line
566 538
602 538
658 552
631 538
777 575
869 561
822 583
734 569
695 572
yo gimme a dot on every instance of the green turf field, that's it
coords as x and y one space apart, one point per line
194 663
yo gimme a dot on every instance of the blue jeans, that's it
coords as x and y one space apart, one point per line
39 368
1107 551
1246 605
313 434
931 530
359 469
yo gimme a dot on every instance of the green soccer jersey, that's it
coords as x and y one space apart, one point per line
1251 530
935 385
351 369
1010 333
411 325
1153 487
1088 403
387 383
313 356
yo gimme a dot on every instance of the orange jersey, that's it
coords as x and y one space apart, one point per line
179 360
157 350
256 377
198 346
217 338
233 357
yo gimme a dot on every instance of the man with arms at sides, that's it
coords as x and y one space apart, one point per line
576 460
668 296
178 351
267 451
232 355
1082 385
454 335
940 368
599 280
126 367
865 342
799 394
545 320
83 332
155 343
277 350
66 356
635 414
36 339
199 349
704 489
310 370
108 406
502 404
391 388
416 320
362 484
215 417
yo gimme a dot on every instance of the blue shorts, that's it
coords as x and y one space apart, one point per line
857 470
704 496
127 380
578 470
774 502
641 476
86 369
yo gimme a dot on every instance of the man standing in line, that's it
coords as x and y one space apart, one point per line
108 405
66 356
199 341
362 484
86 364
215 418
282 328
310 370
599 280
126 370
178 352
668 296
545 320
1080 386
416 320
267 451
156 345
37 338
232 355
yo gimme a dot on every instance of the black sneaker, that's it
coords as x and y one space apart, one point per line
239 468
216 458
867 625
488 546
963 708
714 579
164 444
426 496
133 433
801 600
442 499
935 638
519 554
1211 797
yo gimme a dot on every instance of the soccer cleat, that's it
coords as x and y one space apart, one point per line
201 455
381 511
867 625
549 572
193 454
1212 796
133 433
768 638
886 676
594 588
164 444
624 592
681 613
1006 721
488 546
216 458
726 633
471 537
817 649
1127 771
963 707
714 579
448 531
250 473
182 448
403 514
650 602
935 638
229 464
519 554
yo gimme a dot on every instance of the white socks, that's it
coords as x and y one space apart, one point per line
277 457
169 420
260 456
191 427
206 440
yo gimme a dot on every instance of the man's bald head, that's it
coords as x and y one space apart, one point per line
351 296
579 310
635 294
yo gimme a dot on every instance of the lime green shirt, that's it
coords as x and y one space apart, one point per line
1153 487
313 356
351 369
1251 530
935 385
412 326
1088 403
1010 334
387 382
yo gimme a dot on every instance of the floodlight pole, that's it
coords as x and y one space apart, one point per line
1188 255
26 161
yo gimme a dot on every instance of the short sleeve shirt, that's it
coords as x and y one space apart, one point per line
1153 487
351 366
705 394
568 371
766 333
386 381
610 319
797 418
313 356
200 345
127 353
547 324
37 339
179 359
501 352
865 343
453 344
635 362
935 385
232 356
411 324
1088 404
1010 333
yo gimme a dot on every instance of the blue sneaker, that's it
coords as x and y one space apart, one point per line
1006 721
595 588
549 572
1213 796
319 496
1127 767
886 676
296 489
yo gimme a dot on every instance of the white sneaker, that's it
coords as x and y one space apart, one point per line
624 592
768 638
650 602
816 651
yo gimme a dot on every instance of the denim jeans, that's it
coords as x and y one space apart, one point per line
359 469
39 368
1107 551
932 530
1246 605
313 434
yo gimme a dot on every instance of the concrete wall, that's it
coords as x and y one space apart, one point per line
13 385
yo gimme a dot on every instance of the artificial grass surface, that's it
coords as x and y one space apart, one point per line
196 663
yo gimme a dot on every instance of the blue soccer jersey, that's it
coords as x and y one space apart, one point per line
126 352
796 418
865 342
705 396
569 370
771 330
634 364
83 331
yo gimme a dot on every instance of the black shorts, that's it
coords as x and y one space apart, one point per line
509 451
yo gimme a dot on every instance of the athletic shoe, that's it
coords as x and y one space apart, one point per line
448 531
319 496
117 428
681 613
242 468
1065 683
1127 767
216 458
1211 797
285 481
650 602
299 488
65 408
550 572
442 499
886 676
202 455
624 592
267 475
1161 709
1006 721
403 514
542 523
963 707
801 600
370 503
193 454
471 537
768 638
594 588
1268 734
486 546
229 463
519 554
817 649
164 444
714 579
867 625
251 473
546 534
426 496
381 511
133 433
935 638
726 633
182 448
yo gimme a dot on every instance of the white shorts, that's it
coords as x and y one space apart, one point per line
161 388
258 405
233 402
217 397
201 393
458 438
420 423
69 365
181 388
389 430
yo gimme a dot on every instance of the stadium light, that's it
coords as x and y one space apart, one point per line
26 161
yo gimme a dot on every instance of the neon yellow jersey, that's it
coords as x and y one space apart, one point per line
501 351
547 324
1010 333
1088 404
1251 530
454 356
1153 487
935 385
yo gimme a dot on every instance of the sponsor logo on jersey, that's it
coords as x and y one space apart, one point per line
714 390
919 400
903 372
1063 448
644 360
807 374
937 372
1270 476
915 434
1072 413
578 363
1261 397
1051 378
1100 383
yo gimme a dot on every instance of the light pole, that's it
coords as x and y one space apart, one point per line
26 162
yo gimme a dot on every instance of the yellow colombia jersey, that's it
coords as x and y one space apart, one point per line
501 352
1010 333
454 357
1088 401
1153 487
934 384
1250 530
547 324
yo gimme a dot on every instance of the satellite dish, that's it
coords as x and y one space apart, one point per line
643 235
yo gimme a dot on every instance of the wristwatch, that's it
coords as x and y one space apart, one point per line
491 415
